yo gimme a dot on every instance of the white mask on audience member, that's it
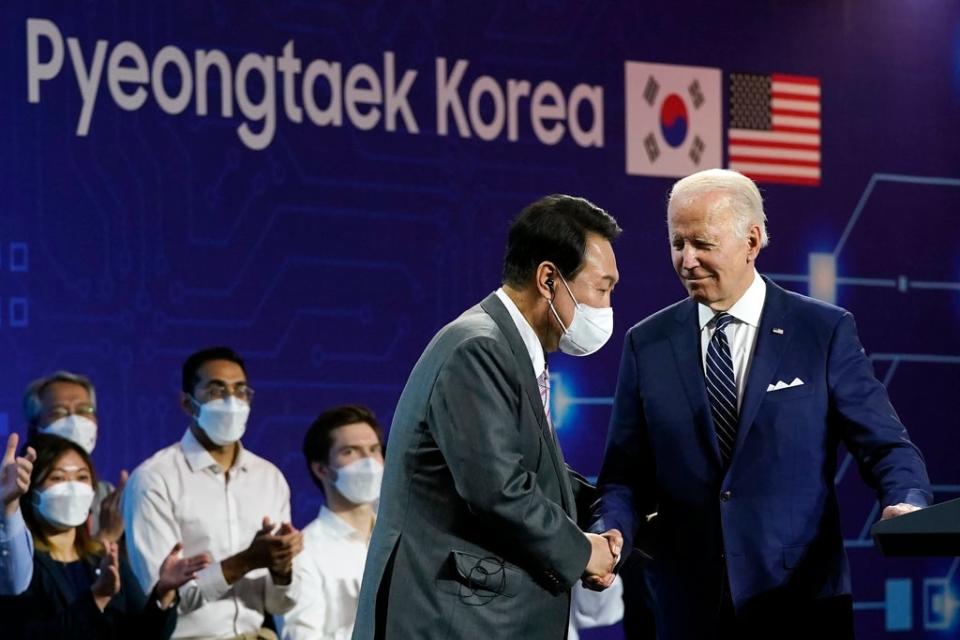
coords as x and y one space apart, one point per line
80 430
359 481
224 420
65 504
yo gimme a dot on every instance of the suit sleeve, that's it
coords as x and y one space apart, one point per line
586 497
889 462
627 475
474 417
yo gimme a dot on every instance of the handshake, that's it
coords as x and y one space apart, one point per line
604 555
273 547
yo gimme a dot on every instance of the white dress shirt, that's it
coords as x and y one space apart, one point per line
592 609
182 494
527 334
741 333
329 569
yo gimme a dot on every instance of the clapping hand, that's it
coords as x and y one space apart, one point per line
275 547
111 519
176 571
107 583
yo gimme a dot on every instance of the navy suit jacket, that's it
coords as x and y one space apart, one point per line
769 520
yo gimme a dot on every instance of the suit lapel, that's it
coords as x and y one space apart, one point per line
495 309
767 354
685 342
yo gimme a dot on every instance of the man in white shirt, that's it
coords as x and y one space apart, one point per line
217 498
344 453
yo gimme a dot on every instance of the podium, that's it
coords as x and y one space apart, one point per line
934 531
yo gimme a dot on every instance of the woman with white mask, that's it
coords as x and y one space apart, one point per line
81 588
64 404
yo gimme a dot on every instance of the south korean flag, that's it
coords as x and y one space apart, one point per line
674 124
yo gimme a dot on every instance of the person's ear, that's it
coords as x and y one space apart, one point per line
320 471
546 276
753 243
188 406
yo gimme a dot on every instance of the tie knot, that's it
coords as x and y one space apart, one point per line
544 379
721 320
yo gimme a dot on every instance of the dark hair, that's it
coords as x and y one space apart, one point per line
553 228
49 449
319 438
196 360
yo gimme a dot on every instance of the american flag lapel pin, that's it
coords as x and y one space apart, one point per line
778 331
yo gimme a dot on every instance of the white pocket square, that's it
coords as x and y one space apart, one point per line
783 385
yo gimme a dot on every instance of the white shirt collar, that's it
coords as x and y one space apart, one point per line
527 334
337 525
747 309
199 458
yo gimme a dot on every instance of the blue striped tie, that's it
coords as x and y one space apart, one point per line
721 386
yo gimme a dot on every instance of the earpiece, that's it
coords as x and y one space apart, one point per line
550 284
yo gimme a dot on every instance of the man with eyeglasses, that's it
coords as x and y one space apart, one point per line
217 498
64 404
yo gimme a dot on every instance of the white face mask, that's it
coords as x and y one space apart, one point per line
224 420
65 504
77 429
590 329
359 481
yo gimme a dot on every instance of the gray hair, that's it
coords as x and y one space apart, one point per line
32 406
742 198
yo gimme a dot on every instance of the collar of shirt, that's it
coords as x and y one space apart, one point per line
747 309
199 458
527 334
337 526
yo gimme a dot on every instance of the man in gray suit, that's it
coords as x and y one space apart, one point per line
477 531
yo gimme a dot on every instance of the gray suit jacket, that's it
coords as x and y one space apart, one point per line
476 534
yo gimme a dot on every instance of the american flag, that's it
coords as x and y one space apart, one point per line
774 133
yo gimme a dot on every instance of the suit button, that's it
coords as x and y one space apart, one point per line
725 496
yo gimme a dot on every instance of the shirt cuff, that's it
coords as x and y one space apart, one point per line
212 583
286 592
917 498
283 587
173 604
13 526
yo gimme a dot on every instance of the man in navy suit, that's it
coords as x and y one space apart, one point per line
722 451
